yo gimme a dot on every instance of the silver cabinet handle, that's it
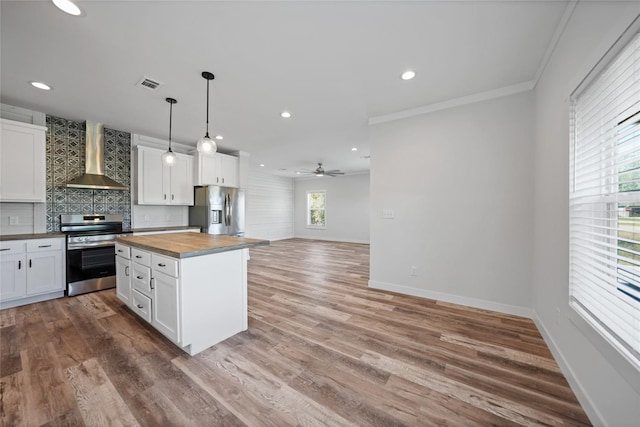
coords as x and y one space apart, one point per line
152 283
139 306
44 246
126 270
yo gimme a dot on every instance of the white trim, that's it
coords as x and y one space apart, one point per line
333 239
575 384
455 299
455 102
30 300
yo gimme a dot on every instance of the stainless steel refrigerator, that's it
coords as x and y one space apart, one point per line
218 210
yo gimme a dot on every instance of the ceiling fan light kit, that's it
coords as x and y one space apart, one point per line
319 171
206 145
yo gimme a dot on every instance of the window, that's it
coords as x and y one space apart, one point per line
604 200
316 205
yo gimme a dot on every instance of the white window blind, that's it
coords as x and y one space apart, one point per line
604 202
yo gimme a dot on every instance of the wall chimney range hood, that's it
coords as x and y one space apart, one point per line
94 177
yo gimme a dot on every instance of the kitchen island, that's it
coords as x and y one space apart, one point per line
191 287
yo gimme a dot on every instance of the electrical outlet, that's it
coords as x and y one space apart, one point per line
414 270
387 214
14 220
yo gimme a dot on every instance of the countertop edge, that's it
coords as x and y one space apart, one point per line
191 254
31 236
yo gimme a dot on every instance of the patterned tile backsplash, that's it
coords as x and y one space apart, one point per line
65 161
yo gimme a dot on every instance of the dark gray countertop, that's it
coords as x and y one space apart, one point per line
56 235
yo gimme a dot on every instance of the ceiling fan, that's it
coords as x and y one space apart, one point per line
319 171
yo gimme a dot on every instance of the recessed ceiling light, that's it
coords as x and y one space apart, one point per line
218 137
68 7
408 75
354 149
261 165
285 114
41 85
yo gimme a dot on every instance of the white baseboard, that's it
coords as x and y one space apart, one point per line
583 397
31 300
455 299
333 239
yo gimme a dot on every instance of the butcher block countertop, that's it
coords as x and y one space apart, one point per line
187 245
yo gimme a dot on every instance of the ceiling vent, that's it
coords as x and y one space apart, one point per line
148 83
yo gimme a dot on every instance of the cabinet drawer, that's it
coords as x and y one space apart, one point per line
166 265
123 251
141 278
141 305
12 247
141 257
40 245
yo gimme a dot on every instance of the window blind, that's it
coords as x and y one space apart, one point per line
604 202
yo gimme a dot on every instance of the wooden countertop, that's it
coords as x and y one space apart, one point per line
28 236
186 245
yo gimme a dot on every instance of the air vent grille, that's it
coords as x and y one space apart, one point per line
148 83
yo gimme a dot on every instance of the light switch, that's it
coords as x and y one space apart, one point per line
387 214
13 220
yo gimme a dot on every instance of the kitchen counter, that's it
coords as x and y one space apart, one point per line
6 237
191 287
187 245
156 229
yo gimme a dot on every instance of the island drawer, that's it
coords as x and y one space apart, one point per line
166 265
12 247
141 305
141 257
141 278
123 251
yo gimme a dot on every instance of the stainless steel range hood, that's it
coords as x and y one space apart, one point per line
94 177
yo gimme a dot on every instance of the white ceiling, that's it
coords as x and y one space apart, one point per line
334 65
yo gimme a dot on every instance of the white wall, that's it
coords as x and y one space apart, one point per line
269 206
607 386
347 208
460 182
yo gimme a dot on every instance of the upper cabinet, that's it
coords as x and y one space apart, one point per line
22 162
217 169
159 184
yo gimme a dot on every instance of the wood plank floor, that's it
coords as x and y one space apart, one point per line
321 349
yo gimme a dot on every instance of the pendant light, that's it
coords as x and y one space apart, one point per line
169 157
206 145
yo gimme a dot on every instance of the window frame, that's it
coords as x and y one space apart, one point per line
602 210
308 210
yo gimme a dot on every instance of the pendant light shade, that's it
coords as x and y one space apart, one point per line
169 158
206 145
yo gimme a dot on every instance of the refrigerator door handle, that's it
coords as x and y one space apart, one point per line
227 209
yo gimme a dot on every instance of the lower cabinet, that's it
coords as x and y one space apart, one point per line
196 302
31 270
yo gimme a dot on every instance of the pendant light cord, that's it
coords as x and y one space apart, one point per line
207 135
170 121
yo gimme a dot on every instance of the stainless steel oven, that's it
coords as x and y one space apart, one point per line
91 263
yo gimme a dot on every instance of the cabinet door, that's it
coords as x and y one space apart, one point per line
182 181
165 305
22 162
206 170
44 272
13 277
153 177
229 170
123 279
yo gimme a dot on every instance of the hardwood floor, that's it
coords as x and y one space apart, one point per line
321 349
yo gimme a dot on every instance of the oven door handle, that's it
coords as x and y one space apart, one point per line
75 246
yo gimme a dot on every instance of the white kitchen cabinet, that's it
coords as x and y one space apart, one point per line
123 274
31 270
216 169
197 301
22 162
159 184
